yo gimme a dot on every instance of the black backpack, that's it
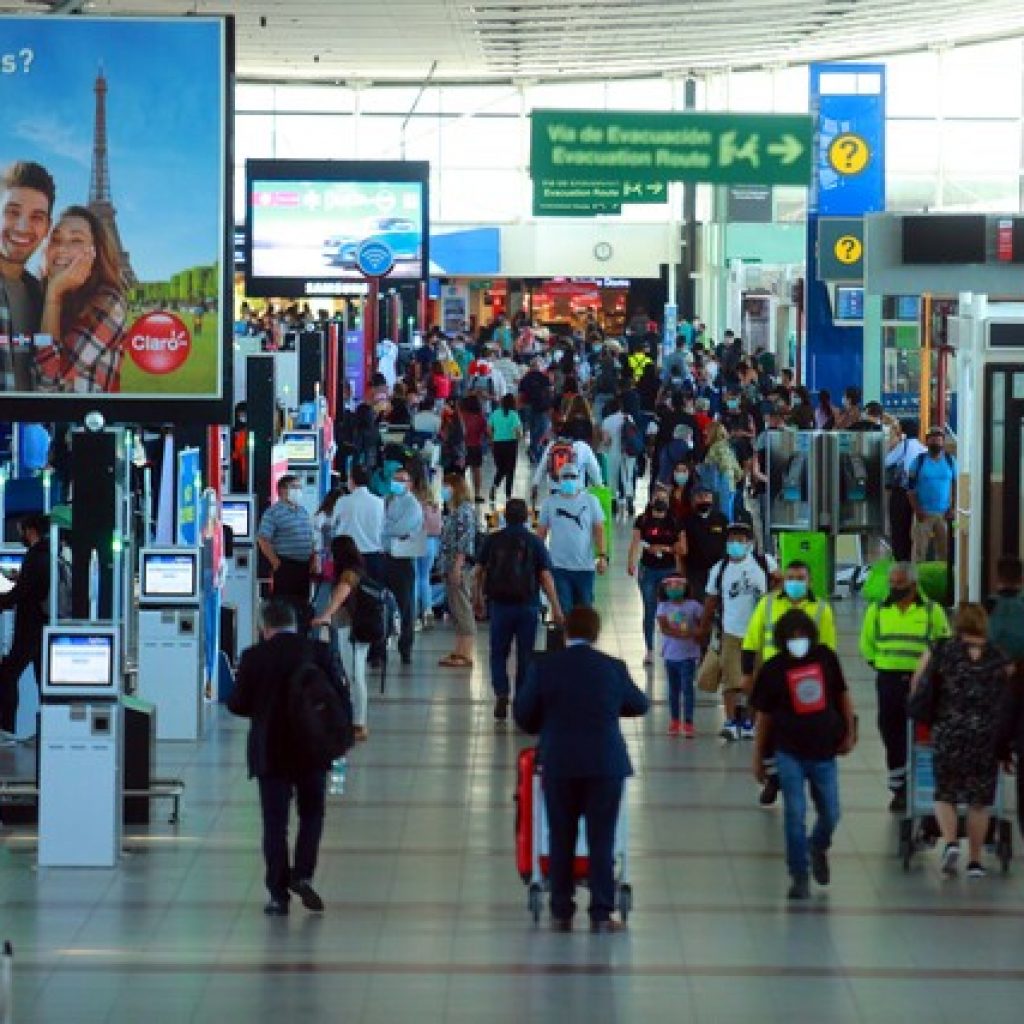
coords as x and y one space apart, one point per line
373 613
512 568
320 714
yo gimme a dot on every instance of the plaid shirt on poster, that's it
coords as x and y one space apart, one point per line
7 333
88 359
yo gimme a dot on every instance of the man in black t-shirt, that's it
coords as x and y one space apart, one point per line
653 557
803 706
702 542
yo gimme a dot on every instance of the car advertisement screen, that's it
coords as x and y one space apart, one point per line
305 232
113 188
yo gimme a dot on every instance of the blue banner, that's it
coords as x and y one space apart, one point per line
187 496
847 102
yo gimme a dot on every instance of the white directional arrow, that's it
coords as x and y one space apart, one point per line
788 149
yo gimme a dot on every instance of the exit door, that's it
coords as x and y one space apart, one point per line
1003 513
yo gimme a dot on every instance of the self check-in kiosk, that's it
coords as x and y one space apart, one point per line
10 567
171 652
80 751
238 514
304 455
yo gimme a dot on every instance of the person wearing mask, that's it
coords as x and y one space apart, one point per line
285 537
573 700
931 491
572 523
360 515
804 710
28 597
621 464
404 541
734 588
536 396
680 495
505 430
898 462
583 459
720 469
850 413
679 617
323 534
349 572
759 642
578 421
654 554
871 419
427 422
474 427
282 767
513 568
432 524
702 540
970 676
801 414
458 544
893 637
825 414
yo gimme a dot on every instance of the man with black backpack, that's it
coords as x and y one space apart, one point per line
294 693
512 568
932 494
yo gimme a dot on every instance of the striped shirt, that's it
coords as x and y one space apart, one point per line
15 332
289 530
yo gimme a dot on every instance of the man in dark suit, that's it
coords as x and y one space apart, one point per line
280 763
574 699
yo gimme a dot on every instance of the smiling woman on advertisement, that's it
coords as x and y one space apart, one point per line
84 309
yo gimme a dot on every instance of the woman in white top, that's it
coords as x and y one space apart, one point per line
621 467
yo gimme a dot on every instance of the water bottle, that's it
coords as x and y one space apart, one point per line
336 782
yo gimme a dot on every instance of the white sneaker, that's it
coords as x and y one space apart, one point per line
648 659
950 859
730 731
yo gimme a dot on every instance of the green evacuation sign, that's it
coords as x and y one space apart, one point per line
570 197
601 145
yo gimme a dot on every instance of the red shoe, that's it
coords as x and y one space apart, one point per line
675 727
688 730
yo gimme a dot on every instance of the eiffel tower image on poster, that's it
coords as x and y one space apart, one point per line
100 201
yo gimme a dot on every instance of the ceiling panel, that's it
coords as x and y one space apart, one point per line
502 40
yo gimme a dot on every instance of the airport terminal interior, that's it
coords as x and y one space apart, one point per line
286 290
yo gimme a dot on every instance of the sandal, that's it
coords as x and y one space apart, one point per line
455 661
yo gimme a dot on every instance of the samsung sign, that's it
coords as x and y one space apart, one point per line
336 288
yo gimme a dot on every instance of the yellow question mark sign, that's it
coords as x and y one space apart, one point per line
848 154
848 249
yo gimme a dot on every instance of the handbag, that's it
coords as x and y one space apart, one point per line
923 702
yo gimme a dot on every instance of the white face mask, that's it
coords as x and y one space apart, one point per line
295 495
799 646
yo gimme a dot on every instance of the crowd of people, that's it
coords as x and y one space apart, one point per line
596 417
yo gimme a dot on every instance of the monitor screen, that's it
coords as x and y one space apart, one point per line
907 307
81 659
234 515
308 219
301 446
944 238
168 574
849 303
10 566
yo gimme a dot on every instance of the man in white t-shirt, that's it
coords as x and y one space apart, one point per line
735 585
387 361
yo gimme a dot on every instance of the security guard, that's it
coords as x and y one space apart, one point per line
759 642
896 632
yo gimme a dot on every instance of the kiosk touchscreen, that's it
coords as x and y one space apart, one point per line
10 567
303 447
169 576
237 515
80 663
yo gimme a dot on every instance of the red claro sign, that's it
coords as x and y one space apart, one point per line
159 343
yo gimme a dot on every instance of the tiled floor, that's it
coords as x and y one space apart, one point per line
427 919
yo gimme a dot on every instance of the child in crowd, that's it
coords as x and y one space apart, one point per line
678 619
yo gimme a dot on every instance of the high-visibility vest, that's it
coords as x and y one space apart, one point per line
899 637
762 642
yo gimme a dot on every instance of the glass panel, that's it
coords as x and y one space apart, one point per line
575 95
987 147
254 136
472 196
495 99
912 85
255 97
910 193
312 98
497 142
379 138
750 91
388 99
982 79
312 136
642 94
911 147
791 86
1018 386
997 194
996 444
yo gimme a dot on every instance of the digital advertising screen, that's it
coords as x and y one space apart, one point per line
168 575
301 447
944 238
114 189
308 219
80 660
10 566
236 515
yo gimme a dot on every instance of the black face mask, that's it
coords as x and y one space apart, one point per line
704 508
900 593
935 449
659 506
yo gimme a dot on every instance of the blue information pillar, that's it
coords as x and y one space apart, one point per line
848 106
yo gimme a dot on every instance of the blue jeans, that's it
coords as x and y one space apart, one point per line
574 587
424 599
680 684
649 580
823 778
537 425
511 622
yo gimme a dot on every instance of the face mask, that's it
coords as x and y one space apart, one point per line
295 495
900 593
736 549
568 487
732 404
704 509
659 505
399 487
796 590
681 478
794 401
446 493
676 593
935 449
799 646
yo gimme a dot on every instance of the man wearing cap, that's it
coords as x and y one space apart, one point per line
702 540
932 495
572 523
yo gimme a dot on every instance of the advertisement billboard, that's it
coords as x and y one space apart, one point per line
309 220
114 185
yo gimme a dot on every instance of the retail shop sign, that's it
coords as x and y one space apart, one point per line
772 149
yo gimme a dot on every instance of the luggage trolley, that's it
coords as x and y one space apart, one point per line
532 841
917 828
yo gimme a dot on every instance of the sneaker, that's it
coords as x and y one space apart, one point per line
950 859
747 730
675 727
308 895
799 889
276 908
898 804
730 730
688 730
976 869
770 793
609 926
648 659
819 866
501 709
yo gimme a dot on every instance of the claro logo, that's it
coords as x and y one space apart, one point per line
159 343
